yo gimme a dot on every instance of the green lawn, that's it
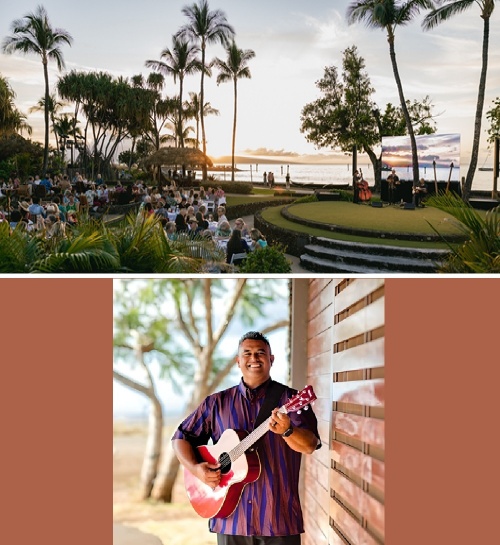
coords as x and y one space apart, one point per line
322 211
390 218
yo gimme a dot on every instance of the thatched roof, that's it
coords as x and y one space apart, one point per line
178 156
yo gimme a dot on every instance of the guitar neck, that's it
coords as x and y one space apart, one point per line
250 439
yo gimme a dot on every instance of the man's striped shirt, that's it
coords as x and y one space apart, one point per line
269 506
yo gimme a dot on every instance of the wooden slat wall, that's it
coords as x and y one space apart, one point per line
343 501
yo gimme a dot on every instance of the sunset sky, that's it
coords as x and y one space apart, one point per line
293 41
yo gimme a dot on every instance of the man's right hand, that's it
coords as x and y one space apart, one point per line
208 473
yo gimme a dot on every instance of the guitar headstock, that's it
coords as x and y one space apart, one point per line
301 400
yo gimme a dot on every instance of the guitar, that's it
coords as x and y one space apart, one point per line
238 463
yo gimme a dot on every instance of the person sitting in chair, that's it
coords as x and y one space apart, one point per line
236 245
419 193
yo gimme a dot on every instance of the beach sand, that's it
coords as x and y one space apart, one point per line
137 522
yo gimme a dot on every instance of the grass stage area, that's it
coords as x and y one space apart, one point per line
388 219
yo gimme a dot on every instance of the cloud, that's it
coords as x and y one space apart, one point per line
273 153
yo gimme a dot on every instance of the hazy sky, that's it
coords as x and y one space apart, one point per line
127 402
293 41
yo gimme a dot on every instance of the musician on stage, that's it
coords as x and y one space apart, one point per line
420 192
269 507
356 179
393 186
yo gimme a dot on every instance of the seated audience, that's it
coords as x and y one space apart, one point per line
236 245
258 239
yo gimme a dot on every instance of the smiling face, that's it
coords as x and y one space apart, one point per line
255 361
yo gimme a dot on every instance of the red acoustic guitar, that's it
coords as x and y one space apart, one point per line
239 465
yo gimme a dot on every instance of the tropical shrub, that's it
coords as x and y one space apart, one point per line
270 259
481 252
137 245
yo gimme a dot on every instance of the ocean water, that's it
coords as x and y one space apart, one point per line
342 174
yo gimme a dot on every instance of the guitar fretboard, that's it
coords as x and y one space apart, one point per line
249 440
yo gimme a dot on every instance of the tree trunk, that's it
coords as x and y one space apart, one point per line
165 480
234 127
202 116
377 169
406 114
46 118
153 449
479 113
354 162
169 467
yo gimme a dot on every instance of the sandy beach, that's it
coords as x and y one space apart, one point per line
173 524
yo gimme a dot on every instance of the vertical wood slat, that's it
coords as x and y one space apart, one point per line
319 353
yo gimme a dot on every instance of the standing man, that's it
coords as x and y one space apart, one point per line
393 186
269 507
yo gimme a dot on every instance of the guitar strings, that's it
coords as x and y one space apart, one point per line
228 457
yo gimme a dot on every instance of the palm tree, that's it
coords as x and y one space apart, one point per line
54 107
480 254
11 119
34 34
65 129
205 27
443 13
388 15
194 111
180 61
232 69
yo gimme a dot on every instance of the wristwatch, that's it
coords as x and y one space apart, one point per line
288 432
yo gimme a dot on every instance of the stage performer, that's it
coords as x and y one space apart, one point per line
356 178
393 186
269 507
420 192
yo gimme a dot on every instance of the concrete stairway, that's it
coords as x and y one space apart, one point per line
335 256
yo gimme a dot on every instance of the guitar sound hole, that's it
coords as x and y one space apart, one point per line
225 462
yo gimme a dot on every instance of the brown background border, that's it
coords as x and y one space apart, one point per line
442 411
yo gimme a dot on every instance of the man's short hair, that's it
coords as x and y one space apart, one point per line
255 336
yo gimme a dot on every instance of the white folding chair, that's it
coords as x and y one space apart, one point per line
236 259
210 206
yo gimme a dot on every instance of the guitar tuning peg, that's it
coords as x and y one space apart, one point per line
306 407
299 411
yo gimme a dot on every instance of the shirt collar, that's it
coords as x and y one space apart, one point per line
252 393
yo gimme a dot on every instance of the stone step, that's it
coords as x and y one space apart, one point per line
315 264
383 249
384 262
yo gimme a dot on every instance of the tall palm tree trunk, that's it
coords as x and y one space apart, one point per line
234 128
202 102
46 117
181 137
479 113
406 114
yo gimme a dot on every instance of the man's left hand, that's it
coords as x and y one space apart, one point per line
279 422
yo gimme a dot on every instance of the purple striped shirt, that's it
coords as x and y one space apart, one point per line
270 506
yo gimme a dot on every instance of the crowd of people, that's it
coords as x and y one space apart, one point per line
187 217
184 214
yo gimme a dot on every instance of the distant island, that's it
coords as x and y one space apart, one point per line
320 159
